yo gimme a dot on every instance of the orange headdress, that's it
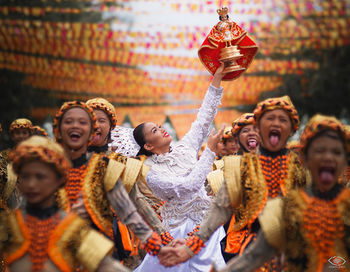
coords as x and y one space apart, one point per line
244 120
67 106
20 123
227 133
36 130
283 103
319 123
99 103
42 149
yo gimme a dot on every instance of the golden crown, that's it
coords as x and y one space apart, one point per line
223 11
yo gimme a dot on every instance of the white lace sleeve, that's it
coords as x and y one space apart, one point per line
123 141
177 187
205 117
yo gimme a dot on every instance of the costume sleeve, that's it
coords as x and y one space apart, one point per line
254 257
205 117
145 210
271 223
128 215
219 213
109 264
175 187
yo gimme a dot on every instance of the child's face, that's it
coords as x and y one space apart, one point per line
231 146
221 149
249 137
103 128
38 182
326 160
20 134
275 128
75 128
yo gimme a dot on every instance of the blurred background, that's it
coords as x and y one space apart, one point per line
141 55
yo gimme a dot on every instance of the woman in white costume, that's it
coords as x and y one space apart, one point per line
177 177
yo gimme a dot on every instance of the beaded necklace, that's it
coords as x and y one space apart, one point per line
323 225
275 171
40 231
74 183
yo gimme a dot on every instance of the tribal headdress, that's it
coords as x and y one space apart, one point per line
319 123
227 133
36 130
67 106
244 120
99 103
42 149
283 103
20 123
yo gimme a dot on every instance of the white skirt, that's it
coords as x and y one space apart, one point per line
200 262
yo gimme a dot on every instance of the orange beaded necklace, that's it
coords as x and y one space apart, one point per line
74 183
323 225
275 172
40 231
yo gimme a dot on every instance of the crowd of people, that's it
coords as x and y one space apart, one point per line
100 197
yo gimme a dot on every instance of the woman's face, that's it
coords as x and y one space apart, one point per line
156 137
20 134
326 160
275 127
38 182
75 129
249 137
103 128
231 146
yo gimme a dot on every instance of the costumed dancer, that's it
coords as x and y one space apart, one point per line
230 141
177 177
94 188
311 226
106 118
37 130
39 236
250 180
20 130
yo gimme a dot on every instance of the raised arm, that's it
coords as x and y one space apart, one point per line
207 112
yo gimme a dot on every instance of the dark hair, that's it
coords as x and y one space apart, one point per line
139 137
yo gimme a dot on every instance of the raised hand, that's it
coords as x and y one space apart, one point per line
214 139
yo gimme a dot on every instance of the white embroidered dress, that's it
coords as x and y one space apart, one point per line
178 178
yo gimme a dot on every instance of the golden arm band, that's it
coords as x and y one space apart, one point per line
131 173
215 180
232 175
114 171
93 248
271 222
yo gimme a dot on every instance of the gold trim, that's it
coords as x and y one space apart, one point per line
215 180
232 175
131 173
95 198
144 172
218 164
11 182
93 248
113 172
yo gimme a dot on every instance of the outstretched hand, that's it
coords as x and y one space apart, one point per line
214 139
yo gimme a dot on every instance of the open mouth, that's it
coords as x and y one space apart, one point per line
274 137
74 136
166 134
326 174
252 143
97 137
